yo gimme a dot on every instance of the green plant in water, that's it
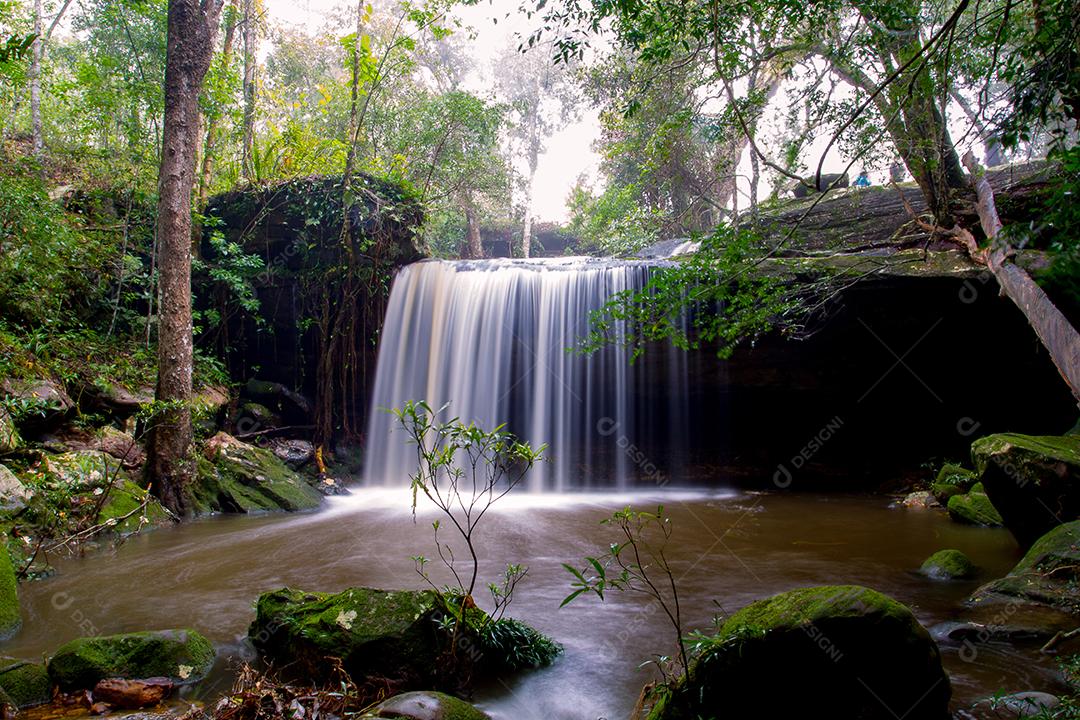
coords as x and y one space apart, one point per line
464 470
636 562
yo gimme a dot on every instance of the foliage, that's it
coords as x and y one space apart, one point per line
613 222
636 562
719 295
513 645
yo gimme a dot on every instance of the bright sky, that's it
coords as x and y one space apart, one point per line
569 153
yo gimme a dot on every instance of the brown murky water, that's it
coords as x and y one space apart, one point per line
729 549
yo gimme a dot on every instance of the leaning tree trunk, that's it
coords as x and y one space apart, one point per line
192 25
1056 333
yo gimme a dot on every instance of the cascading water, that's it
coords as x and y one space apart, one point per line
495 339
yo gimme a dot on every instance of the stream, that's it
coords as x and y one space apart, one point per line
727 549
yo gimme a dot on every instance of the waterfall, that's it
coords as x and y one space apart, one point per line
495 339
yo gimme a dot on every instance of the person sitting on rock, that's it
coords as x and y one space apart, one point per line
862 181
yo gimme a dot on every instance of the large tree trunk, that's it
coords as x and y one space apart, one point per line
472 233
250 49
36 57
192 25
1057 335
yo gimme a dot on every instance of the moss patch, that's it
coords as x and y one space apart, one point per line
948 565
974 508
24 684
182 655
10 614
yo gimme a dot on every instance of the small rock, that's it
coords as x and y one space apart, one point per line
921 499
132 694
427 706
294 453
13 494
948 565
99 708
1019 705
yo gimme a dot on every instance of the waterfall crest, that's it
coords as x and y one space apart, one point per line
495 339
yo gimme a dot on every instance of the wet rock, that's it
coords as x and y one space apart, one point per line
24 684
426 705
10 612
1033 480
13 494
294 453
182 656
948 565
1018 705
9 434
974 508
389 634
42 403
1046 575
862 650
920 499
120 445
132 694
237 477
100 708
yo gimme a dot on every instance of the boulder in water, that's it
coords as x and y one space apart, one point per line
1046 575
974 508
1033 480
182 656
948 565
426 705
855 651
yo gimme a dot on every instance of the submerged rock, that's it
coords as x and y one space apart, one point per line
1033 480
375 633
836 651
182 656
1046 575
974 508
10 613
426 705
240 478
24 684
948 565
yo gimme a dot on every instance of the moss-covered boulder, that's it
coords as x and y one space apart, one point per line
948 565
43 402
974 508
183 656
375 633
10 613
833 651
24 684
1033 480
236 477
426 705
1047 574
952 479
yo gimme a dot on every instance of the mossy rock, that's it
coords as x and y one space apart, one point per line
24 684
948 565
848 652
1033 480
952 479
124 499
10 613
1047 574
375 633
426 705
974 508
235 477
184 656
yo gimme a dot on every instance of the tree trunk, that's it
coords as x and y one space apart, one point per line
1057 335
472 233
35 83
212 132
250 49
192 25
526 230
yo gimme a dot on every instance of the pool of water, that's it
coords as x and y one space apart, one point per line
727 549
